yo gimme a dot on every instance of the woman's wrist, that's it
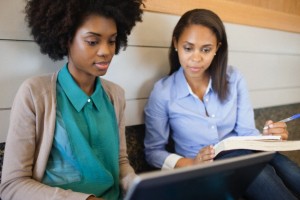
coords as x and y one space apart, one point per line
92 197
184 162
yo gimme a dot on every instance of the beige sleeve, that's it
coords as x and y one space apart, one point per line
18 180
127 173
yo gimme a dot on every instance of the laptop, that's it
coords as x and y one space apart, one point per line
222 179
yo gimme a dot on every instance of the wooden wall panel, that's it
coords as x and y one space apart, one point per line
134 112
12 24
267 71
240 37
233 12
269 60
260 40
286 6
276 97
20 60
137 69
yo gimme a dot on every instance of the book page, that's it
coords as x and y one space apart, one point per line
259 137
260 143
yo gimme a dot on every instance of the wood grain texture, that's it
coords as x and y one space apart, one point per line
287 6
233 12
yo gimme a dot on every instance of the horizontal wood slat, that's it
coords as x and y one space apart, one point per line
232 12
287 6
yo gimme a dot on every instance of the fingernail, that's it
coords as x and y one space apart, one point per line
266 127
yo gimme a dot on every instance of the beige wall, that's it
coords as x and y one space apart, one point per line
269 60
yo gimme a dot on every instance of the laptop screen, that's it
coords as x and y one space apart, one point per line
222 179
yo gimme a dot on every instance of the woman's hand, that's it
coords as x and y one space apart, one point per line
93 198
205 155
277 128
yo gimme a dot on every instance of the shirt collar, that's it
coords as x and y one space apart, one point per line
97 96
183 88
75 94
206 92
181 84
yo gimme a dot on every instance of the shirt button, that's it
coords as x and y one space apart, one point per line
206 99
212 127
212 115
89 100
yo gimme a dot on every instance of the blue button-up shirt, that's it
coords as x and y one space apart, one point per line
173 110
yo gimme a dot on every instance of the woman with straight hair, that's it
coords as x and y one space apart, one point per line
203 101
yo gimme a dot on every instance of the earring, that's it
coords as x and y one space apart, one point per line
175 49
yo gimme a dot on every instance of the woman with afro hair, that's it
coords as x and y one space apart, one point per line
66 138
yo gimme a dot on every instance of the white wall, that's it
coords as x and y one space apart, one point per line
269 59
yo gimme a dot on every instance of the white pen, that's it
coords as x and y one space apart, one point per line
286 119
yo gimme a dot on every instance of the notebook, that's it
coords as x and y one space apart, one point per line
221 179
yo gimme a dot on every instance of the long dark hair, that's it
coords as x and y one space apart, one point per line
218 67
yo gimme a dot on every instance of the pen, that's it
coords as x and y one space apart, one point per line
296 116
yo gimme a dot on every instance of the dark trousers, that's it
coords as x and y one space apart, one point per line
280 179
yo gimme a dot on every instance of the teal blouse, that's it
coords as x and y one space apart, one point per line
85 151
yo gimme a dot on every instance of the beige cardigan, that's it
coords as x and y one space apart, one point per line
30 137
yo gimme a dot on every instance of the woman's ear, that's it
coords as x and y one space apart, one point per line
175 43
218 46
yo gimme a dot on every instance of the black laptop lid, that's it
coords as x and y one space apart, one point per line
223 179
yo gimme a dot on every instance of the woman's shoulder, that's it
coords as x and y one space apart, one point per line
233 74
163 89
37 89
39 83
110 86
165 83
114 91
46 78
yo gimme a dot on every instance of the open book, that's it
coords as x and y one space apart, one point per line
260 143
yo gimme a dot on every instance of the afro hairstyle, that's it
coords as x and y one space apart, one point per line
53 23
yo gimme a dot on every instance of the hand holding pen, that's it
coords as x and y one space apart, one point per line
278 128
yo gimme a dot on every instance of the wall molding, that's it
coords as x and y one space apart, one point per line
232 12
